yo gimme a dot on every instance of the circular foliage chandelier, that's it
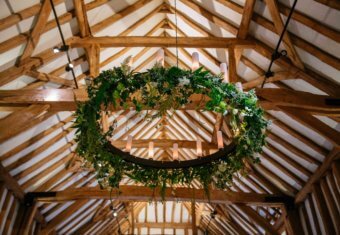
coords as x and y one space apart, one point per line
166 90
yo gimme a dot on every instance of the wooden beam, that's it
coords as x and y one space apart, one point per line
246 19
323 210
21 119
138 41
163 225
63 99
232 65
140 193
278 76
292 221
83 24
258 219
163 143
211 17
13 186
63 215
27 219
92 52
193 218
275 14
37 30
330 3
298 99
308 75
320 171
93 58
49 78
244 26
313 123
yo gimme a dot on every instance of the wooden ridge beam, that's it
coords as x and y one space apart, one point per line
141 193
64 99
142 41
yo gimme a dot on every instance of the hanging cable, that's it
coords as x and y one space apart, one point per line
176 33
276 54
70 65
212 216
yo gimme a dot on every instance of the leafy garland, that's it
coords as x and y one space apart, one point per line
166 89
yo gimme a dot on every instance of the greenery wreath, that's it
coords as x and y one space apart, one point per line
165 89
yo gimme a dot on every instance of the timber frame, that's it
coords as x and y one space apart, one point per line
294 189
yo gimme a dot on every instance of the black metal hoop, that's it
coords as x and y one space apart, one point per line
173 164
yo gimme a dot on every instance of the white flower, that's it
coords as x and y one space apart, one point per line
222 168
184 81
241 116
235 111
225 113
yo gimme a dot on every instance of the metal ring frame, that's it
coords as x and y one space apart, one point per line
173 164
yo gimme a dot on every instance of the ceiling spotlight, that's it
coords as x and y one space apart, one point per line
114 211
60 49
213 214
69 67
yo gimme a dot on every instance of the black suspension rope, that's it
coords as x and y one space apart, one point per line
276 54
64 43
212 216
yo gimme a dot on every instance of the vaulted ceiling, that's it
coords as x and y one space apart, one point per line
300 161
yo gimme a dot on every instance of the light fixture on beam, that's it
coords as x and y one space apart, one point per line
69 67
220 143
195 61
160 57
151 153
175 152
224 71
128 143
199 148
60 49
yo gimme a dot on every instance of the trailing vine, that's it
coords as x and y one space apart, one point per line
164 89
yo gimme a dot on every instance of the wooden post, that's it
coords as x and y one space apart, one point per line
28 209
193 218
292 220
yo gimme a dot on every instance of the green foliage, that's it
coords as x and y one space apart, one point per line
167 89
